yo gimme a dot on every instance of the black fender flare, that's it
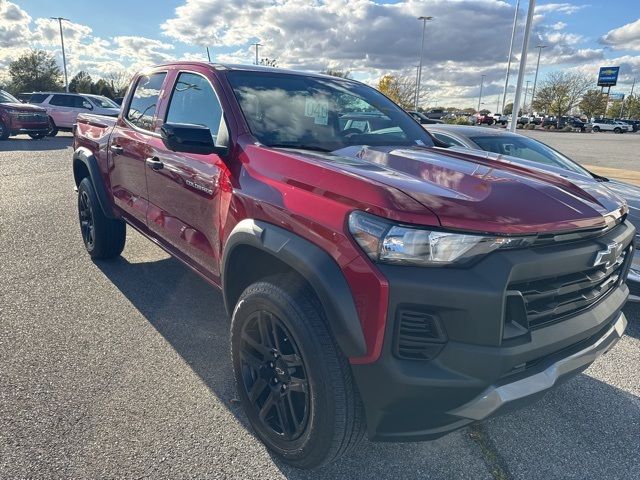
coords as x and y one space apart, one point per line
316 266
84 155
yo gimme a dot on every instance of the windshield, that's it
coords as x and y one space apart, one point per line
298 111
529 149
6 97
103 102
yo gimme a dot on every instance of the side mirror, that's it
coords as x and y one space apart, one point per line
188 138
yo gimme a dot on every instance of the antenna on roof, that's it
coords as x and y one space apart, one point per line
208 56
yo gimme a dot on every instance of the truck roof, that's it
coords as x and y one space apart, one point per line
246 68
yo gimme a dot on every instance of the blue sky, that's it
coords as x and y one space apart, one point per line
467 39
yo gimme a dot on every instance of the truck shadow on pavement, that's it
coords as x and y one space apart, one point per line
584 429
25 143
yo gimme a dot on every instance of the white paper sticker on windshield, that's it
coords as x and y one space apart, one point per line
318 110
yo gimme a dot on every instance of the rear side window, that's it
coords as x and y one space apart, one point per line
62 101
38 97
194 101
145 100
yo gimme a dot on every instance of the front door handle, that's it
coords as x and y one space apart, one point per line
154 163
117 149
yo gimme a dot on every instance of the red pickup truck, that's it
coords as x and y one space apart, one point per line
375 281
17 118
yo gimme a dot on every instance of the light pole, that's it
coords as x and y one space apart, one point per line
523 66
535 79
480 98
64 58
526 91
513 35
257 45
424 27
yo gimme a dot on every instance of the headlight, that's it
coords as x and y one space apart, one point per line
384 241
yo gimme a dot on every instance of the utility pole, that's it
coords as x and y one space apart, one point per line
513 35
257 45
633 85
64 58
424 27
523 66
535 79
480 97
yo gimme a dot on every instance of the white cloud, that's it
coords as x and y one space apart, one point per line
566 8
14 25
626 37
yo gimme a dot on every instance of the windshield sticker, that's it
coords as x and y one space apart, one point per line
318 110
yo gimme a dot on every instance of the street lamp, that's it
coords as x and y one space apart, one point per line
64 58
424 27
256 45
535 79
480 98
526 92
513 35
523 66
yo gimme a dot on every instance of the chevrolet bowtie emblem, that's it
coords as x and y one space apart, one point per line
609 255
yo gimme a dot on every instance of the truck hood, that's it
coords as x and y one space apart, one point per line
472 193
23 107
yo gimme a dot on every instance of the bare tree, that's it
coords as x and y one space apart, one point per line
562 91
119 81
337 73
401 89
269 62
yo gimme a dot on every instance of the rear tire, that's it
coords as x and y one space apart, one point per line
53 130
103 237
294 383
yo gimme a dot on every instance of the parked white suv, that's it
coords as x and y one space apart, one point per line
63 108
610 126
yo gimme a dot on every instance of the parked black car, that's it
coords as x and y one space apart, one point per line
422 119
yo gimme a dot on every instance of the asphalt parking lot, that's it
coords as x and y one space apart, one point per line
121 369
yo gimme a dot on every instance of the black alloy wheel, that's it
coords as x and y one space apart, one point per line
87 223
274 376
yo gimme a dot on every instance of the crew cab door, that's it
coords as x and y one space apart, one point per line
185 188
129 147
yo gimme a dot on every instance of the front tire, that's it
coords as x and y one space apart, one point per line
103 237
596 129
4 131
617 130
293 382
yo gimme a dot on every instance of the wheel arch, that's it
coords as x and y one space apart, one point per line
86 165
271 249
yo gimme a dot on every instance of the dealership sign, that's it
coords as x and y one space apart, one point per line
608 76
616 96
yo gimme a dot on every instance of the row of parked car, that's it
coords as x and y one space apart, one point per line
42 114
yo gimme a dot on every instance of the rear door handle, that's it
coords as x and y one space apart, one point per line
154 163
117 149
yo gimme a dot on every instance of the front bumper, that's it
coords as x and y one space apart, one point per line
480 365
499 397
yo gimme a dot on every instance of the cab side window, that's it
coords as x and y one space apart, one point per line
194 101
145 100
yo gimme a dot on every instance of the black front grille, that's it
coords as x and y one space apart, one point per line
550 299
419 335
32 117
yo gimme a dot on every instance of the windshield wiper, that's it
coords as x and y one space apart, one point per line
298 146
